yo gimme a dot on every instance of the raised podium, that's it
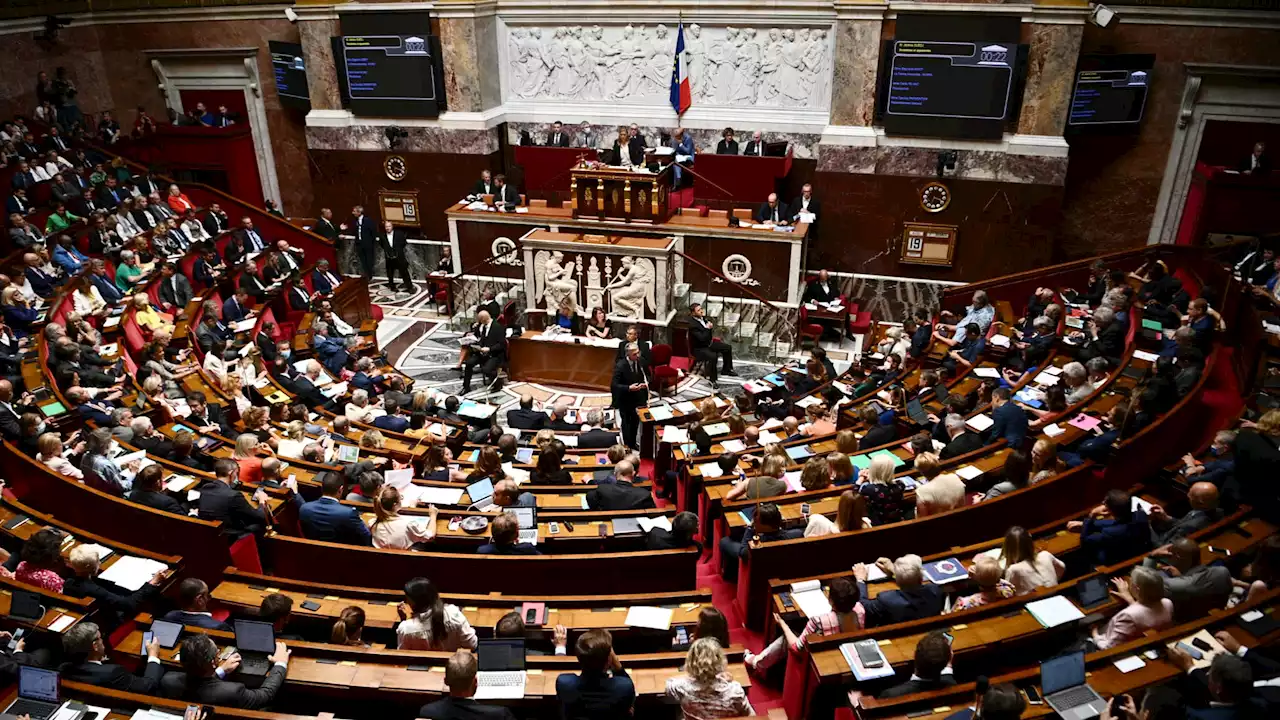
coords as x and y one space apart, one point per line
621 194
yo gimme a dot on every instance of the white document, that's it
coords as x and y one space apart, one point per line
675 435
245 325
645 616
1054 611
568 440
1000 341
125 459
1046 378
709 470
1144 355
968 472
767 437
716 429
807 217
1136 503
439 495
335 390
686 407
109 349
178 483
1129 664
1053 370
661 412
398 479
980 422
131 573
808 400
1053 430
812 602
770 424
986 372
662 521
290 448
805 586
875 574
733 446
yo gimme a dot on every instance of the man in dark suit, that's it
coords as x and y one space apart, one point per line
24 178
42 283
395 246
931 671
330 350
206 417
727 145
110 195
251 282
460 678
962 439
249 235
559 420
630 389
483 186
200 683
805 203
175 289
558 137
193 606
324 279
876 434
505 196
327 519
10 411
525 417
487 352
772 211
620 494
54 140
705 346
913 600
633 336
1009 422
504 533
1225 690
325 227
489 304
755 146
393 420
602 689
86 656
821 289
18 204
236 308
216 221
1258 162
305 385
220 502
595 436
1102 336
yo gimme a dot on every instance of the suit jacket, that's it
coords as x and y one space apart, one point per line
754 148
522 419
451 708
308 392
255 285
1010 423
495 340
727 147
41 282
115 677
215 224
700 335
595 696
483 188
394 245
233 311
326 229
250 245
598 438
918 685
797 205
895 606
1107 541
619 495
179 296
561 141
212 691
195 620
109 199
218 501
776 214
965 442
1264 164
623 378
394 423
1198 590
321 284
644 345
877 436
213 415
329 520
363 228
633 154
156 501
506 195
813 292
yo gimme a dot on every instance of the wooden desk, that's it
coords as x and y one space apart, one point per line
616 193
557 363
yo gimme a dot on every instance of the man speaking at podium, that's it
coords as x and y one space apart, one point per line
630 391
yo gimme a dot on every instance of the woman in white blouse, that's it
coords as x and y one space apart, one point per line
392 530
49 452
427 623
232 387
87 300
1024 566
213 362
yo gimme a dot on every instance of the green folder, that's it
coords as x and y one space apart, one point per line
886 453
52 409
862 462
1152 325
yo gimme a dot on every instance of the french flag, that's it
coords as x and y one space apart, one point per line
681 95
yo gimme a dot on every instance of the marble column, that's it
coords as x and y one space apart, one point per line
857 59
1050 74
317 54
469 49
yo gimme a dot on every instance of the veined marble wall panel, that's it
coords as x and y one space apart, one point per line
766 67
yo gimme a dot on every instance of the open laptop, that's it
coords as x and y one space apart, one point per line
941 392
528 518
481 493
37 694
501 674
1062 682
917 412
256 641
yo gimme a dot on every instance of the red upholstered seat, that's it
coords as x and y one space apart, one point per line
133 339
664 373
860 322
806 330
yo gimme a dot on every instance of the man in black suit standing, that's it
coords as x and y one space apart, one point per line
1258 162
483 186
325 226
396 248
727 145
705 346
487 352
755 146
557 137
86 662
525 417
505 196
772 211
365 232
460 678
630 389
489 304
806 203
201 683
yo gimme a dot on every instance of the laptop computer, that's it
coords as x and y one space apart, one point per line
941 392
917 413
481 493
37 694
256 641
528 518
1062 681
501 673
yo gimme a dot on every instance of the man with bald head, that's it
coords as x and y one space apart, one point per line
771 211
1194 587
507 494
10 411
755 146
487 352
306 384
1203 499
526 417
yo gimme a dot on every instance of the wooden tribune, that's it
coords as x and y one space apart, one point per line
558 363
351 301
610 193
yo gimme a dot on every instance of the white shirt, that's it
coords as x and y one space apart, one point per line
39 173
342 327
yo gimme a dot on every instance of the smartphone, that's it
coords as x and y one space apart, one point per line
554 528
682 636
1194 653
146 640
1202 644
310 605
1033 695
1219 551
804 509
868 654
455 522
17 635
193 710
604 530
787 602
568 526
1117 705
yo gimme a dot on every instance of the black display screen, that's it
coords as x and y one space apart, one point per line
389 64
1110 90
290 73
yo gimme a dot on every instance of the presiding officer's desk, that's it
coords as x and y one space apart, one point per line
578 364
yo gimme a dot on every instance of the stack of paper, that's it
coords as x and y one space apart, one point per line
733 446
980 422
1144 355
767 438
1053 430
655 618
709 470
661 412
1046 378
662 521
716 429
860 671
673 434
986 372
131 573
968 472
1054 611
812 602
686 407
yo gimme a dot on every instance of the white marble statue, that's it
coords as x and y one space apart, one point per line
727 66
633 287
554 281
